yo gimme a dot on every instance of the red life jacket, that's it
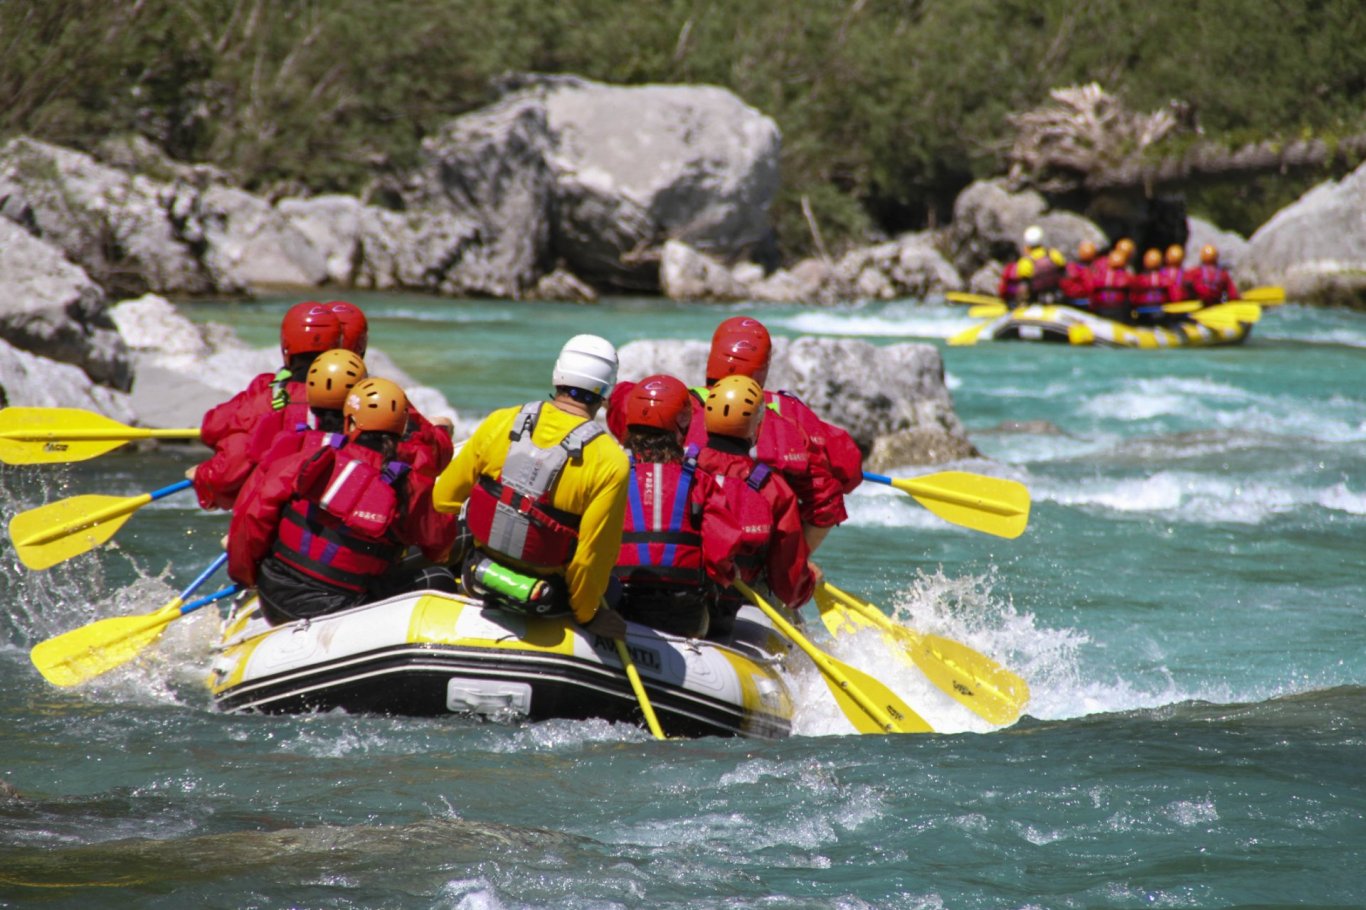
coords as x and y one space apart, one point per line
1175 280
336 527
1148 289
1047 275
660 543
1075 282
1012 285
1210 283
514 516
1109 286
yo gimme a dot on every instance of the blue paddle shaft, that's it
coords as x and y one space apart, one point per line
204 576
877 478
173 488
207 599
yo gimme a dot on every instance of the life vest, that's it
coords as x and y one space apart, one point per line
1012 283
1047 275
1109 287
336 527
1075 281
1209 282
1148 289
1175 280
513 516
659 541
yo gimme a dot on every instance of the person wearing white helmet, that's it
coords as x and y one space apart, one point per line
1040 267
541 489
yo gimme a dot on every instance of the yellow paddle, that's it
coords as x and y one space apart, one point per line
973 299
60 530
59 435
991 505
633 676
988 310
81 654
972 679
968 336
869 705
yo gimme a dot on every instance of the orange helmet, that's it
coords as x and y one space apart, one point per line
375 404
1209 255
740 346
355 327
1117 259
735 406
1086 251
1152 260
1125 243
309 328
661 402
1175 254
332 376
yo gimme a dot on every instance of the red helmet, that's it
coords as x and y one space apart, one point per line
355 328
662 402
740 346
309 328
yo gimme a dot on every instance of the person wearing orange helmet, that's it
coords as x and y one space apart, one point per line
682 533
775 551
1075 283
1174 276
324 530
819 461
1210 282
1148 290
1110 287
330 379
308 329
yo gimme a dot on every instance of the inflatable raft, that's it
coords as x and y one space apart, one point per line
430 654
1058 323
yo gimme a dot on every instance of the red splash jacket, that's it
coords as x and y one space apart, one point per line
286 490
228 430
772 527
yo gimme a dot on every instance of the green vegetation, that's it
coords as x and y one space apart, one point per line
887 107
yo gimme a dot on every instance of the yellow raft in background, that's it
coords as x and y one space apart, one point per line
1069 325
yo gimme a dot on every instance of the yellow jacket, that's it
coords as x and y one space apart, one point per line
594 490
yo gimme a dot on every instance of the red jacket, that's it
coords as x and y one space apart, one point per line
708 535
1149 289
770 522
1211 284
228 429
1075 283
263 498
782 445
1012 286
1175 279
1109 286
841 452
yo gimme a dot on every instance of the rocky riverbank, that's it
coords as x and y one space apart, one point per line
560 189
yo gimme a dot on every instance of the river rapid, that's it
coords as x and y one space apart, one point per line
1186 606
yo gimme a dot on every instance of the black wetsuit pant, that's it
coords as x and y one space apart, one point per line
288 594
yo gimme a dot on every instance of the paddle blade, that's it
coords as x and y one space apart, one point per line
904 720
991 505
1271 295
56 532
39 435
988 311
974 299
84 653
968 336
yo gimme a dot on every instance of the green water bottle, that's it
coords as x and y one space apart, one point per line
511 584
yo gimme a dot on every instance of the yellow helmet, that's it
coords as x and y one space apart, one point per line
332 376
735 406
375 404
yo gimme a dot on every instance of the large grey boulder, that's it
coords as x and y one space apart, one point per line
27 380
637 165
871 391
51 307
113 224
989 221
909 266
249 243
1316 247
598 177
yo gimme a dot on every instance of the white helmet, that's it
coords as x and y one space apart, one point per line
1033 235
587 362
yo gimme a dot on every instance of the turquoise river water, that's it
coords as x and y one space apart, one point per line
1186 606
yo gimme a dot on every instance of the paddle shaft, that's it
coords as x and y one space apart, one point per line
638 687
127 434
824 662
116 510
